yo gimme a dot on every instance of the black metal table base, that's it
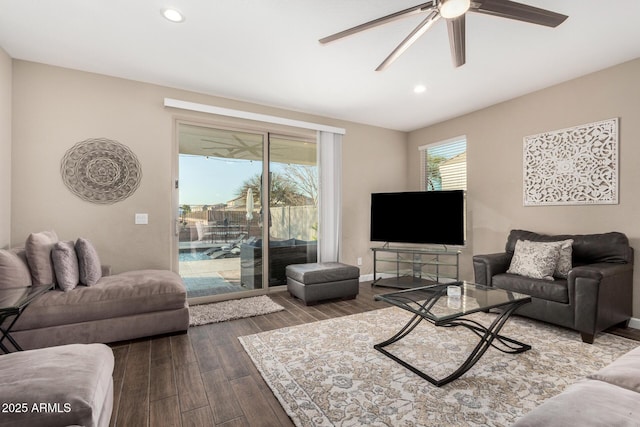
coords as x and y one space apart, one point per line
489 337
5 333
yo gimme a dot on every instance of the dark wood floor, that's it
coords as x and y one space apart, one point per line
205 378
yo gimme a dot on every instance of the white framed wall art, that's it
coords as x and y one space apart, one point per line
573 166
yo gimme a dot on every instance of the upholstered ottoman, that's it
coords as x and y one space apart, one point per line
320 281
57 386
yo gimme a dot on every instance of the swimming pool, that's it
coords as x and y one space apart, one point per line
193 256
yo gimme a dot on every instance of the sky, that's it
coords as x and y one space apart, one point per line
208 181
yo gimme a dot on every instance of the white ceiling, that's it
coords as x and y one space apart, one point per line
267 51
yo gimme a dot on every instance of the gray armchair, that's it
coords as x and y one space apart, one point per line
596 295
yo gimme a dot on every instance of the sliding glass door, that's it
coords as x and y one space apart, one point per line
226 179
293 204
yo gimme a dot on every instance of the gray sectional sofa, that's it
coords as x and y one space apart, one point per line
99 307
67 385
609 397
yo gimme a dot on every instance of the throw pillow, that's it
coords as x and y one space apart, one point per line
88 262
564 259
65 264
537 260
14 272
38 248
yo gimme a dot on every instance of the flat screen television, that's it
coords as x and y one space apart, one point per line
426 217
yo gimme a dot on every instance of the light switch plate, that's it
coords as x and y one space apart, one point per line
142 218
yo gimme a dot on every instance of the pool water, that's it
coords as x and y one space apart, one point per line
193 256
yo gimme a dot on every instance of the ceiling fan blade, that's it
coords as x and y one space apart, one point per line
518 11
456 28
410 39
380 21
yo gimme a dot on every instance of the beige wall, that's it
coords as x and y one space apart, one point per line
375 163
5 149
494 144
54 108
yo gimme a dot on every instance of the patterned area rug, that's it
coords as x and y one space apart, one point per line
328 374
229 310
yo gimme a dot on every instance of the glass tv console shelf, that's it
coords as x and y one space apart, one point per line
405 268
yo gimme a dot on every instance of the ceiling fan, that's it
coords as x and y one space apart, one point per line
453 11
234 150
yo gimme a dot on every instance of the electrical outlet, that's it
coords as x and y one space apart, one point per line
359 260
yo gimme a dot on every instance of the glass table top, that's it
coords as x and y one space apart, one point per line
439 302
13 299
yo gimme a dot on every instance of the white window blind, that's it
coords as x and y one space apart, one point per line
444 165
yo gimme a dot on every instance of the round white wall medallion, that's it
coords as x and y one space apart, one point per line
101 170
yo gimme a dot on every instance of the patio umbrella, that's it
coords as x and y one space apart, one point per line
249 207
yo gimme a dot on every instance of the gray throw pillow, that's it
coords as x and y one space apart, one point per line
88 262
564 264
14 271
38 248
65 264
537 260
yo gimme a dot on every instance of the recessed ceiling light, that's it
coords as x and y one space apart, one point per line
173 15
419 88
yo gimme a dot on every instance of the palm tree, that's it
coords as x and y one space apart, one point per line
184 210
284 192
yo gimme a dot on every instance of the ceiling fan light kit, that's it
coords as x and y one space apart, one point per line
450 9
454 12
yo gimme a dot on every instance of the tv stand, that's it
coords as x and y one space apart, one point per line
406 268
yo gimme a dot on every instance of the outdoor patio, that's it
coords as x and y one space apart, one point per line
211 277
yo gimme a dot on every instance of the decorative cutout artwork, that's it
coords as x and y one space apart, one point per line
574 166
101 170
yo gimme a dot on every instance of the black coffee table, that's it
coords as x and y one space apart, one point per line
432 303
12 302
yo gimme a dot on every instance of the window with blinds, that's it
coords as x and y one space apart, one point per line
444 165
